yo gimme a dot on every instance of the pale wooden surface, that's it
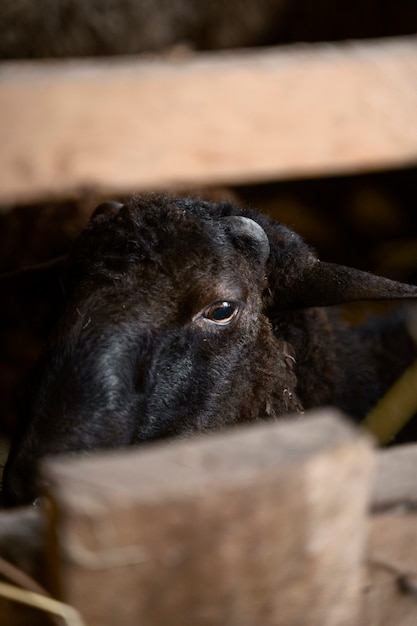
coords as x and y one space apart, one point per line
132 124
392 542
395 481
94 540
392 558
259 526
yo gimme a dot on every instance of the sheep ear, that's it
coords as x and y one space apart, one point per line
106 209
325 284
248 235
35 280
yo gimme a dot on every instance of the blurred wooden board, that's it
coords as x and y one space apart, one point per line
395 483
121 125
287 501
390 590
260 525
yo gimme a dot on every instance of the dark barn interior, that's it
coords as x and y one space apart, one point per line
102 100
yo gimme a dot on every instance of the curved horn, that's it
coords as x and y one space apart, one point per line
252 234
105 209
325 284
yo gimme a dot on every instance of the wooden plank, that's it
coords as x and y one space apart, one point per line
262 525
119 125
390 592
395 483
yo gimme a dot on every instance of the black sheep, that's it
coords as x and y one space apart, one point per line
184 316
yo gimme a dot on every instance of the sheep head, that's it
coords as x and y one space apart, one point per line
176 322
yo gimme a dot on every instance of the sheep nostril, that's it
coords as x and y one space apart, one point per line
37 501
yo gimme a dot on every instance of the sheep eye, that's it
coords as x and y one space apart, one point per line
222 312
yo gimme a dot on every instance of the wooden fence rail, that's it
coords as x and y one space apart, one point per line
121 125
298 522
258 526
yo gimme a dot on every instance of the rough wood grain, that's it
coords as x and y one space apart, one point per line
395 481
264 525
390 591
133 124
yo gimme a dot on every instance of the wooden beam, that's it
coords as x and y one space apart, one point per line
262 525
121 125
395 484
390 556
390 591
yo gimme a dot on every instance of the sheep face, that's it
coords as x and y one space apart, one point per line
163 335
181 317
